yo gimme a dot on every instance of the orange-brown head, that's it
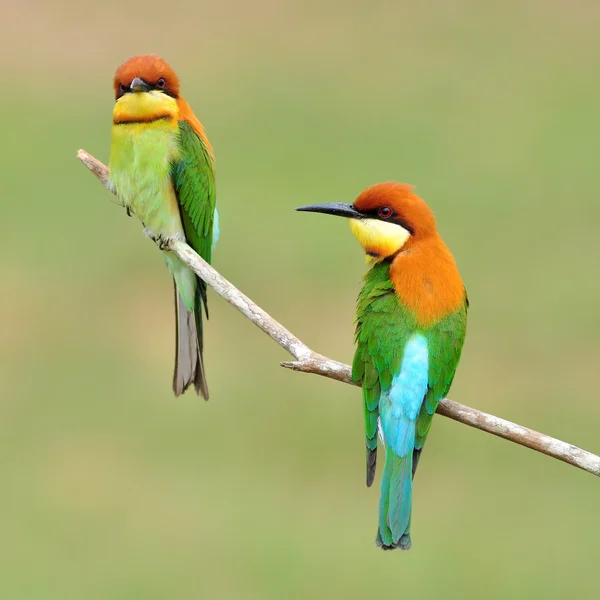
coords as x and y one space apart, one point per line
146 92
391 222
385 218
145 73
396 219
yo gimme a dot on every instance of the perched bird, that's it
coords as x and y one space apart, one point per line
162 169
410 327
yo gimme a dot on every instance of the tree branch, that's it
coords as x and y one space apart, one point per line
309 361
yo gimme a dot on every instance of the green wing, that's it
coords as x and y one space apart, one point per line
383 328
193 177
444 342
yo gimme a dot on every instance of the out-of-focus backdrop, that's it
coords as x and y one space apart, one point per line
111 488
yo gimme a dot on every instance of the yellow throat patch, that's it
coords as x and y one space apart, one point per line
145 107
379 238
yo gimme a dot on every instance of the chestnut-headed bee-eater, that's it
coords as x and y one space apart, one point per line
410 327
162 169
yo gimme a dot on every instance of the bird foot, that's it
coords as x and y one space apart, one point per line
164 241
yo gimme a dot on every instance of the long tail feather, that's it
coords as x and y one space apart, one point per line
200 383
416 458
395 505
371 464
189 366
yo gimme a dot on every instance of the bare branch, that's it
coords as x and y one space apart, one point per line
98 169
309 361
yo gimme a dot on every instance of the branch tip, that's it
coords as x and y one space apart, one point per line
308 361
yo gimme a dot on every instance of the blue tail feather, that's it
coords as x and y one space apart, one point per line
395 505
399 409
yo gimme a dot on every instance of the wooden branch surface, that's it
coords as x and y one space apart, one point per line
309 361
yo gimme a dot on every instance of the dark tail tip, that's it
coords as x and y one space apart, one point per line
189 363
371 465
416 457
404 543
200 378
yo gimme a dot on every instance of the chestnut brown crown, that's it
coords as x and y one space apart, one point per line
151 70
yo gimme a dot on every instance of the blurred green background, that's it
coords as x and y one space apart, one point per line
111 488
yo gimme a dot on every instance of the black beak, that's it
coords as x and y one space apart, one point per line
338 209
139 85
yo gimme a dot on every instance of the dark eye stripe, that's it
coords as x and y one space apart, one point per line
124 89
164 88
393 218
404 224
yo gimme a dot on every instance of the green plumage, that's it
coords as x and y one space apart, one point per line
164 174
383 328
193 178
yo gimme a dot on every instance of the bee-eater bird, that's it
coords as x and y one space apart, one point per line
162 168
410 327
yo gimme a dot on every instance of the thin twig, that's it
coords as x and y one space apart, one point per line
309 361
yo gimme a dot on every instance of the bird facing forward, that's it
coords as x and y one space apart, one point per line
162 169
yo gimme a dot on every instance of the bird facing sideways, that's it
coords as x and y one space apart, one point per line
162 169
410 328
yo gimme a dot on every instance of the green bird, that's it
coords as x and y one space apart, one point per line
410 328
162 168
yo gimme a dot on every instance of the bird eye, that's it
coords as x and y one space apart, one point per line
123 87
385 212
160 83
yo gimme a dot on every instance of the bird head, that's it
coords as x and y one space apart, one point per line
385 218
146 88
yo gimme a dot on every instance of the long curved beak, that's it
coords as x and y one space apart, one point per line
338 209
139 85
